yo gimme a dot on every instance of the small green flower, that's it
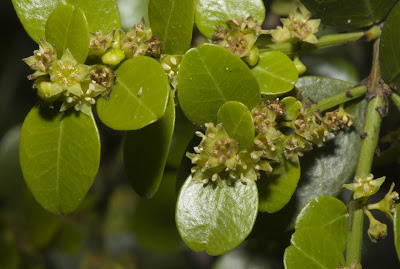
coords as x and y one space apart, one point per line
42 59
68 74
102 79
294 146
365 186
307 127
99 43
387 205
171 64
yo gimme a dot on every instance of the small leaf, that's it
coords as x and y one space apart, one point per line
172 22
275 73
146 150
100 15
67 28
210 13
238 123
327 213
276 189
209 76
60 156
292 107
152 233
216 219
321 235
139 96
389 49
396 226
360 13
326 169
312 248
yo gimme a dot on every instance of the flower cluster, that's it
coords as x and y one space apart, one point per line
240 37
117 45
365 186
74 84
171 64
218 156
297 27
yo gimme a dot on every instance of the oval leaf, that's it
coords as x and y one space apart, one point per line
210 13
100 15
277 189
216 219
60 156
326 169
389 49
146 151
328 214
68 29
238 123
209 76
275 73
312 248
172 22
139 96
360 13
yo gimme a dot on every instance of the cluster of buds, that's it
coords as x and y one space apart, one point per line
117 45
297 27
336 120
240 37
171 64
306 126
365 186
76 85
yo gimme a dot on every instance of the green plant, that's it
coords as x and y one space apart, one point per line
242 93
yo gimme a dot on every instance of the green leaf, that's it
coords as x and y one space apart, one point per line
132 11
146 151
326 169
328 214
67 28
238 123
276 189
292 107
312 248
60 156
216 219
210 13
396 226
139 96
360 13
209 76
389 49
100 15
172 22
275 73
152 233
321 235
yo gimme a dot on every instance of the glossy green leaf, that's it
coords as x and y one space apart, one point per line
238 123
146 151
209 76
326 169
139 96
154 222
275 73
360 13
210 13
277 188
328 214
313 248
67 28
292 106
389 49
396 227
60 156
132 12
172 22
216 219
34 14
183 133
